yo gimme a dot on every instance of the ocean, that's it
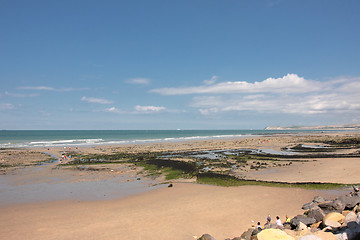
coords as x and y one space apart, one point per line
52 138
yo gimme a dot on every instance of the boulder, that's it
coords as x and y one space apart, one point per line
301 226
349 234
331 223
309 237
350 201
350 217
256 231
325 235
308 206
206 237
316 213
273 234
334 216
247 235
332 206
294 222
318 199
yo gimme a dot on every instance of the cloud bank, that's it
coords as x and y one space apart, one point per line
290 94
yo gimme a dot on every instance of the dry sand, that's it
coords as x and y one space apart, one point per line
181 212
185 211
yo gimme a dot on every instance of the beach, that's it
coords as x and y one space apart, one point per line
185 211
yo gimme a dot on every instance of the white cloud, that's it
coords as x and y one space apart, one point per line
47 88
40 88
290 94
211 81
96 100
149 109
291 83
21 95
139 110
6 106
138 81
113 110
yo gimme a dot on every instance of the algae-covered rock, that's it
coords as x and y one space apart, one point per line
273 234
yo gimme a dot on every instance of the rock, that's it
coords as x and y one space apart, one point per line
331 223
256 231
301 226
341 236
308 206
247 235
316 213
309 237
345 212
352 225
353 233
325 235
273 234
350 217
206 237
334 216
318 199
300 218
349 201
315 225
331 206
270 225
349 234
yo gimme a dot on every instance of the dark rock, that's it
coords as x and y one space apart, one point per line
350 201
308 206
316 213
301 218
170 185
206 237
332 206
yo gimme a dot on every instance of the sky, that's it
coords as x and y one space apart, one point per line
169 64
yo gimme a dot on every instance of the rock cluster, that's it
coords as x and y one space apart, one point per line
323 219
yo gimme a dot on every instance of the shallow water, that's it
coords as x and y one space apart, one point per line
37 184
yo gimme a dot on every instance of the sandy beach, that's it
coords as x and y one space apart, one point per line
185 211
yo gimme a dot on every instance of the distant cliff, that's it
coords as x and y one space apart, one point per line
328 127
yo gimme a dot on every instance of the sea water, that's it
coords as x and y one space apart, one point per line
52 138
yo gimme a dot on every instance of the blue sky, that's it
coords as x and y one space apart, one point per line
189 64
